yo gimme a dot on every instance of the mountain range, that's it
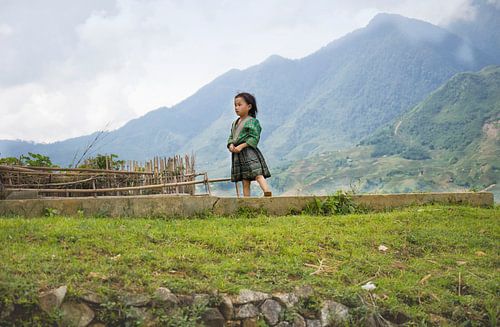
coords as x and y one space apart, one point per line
331 100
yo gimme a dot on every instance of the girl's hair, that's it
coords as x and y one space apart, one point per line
249 99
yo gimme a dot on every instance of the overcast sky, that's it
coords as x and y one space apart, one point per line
68 68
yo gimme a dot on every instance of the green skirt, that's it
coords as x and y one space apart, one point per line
248 164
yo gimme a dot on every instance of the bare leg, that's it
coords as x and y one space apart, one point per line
263 183
246 187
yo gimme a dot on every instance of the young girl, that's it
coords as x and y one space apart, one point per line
248 163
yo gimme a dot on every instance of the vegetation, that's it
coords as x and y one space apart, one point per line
449 142
340 202
31 159
103 161
441 261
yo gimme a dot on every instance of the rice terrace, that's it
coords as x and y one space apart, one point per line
281 163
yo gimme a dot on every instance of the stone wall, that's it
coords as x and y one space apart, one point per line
299 308
185 205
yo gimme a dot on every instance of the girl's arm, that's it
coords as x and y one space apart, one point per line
230 138
241 146
254 130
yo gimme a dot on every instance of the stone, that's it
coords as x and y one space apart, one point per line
287 299
226 307
304 291
166 297
313 323
246 296
333 313
283 324
246 311
299 321
76 314
251 322
51 300
136 300
271 310
201 298
97 324
371 321
185 299
213 318
93 298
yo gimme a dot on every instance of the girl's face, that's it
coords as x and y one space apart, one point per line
241 107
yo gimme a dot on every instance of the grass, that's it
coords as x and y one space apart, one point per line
441 260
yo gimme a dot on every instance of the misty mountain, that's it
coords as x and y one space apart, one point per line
328 100
481 32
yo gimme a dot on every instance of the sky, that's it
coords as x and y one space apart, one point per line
69 68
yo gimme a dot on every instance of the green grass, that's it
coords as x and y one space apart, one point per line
264 253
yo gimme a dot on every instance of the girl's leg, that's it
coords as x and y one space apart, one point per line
246 187
263 183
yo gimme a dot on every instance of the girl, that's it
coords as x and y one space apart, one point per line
248 163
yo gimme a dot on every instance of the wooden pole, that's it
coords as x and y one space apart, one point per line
114 189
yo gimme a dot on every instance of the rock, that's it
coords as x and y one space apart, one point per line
246 296
213 318
93 298
185 299
299 321
52 299
226 307
271 310
283 324
233 323
333 313
252 322
246 311
76 314
201 298
97 324
136 300
372 321
166 297
288 299
313 323
304 291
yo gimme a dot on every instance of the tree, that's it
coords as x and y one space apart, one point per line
99 162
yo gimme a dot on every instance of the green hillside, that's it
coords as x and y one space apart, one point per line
450 141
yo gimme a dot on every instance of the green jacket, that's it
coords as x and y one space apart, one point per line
250 133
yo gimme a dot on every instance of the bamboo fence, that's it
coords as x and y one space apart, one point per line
160 175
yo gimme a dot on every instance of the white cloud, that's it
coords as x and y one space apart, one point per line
69 67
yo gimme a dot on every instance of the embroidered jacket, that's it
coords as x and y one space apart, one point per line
250 133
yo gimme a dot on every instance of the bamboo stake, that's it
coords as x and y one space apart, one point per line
130 188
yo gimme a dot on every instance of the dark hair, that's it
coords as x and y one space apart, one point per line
249 99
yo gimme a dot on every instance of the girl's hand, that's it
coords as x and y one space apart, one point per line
231 147
237 149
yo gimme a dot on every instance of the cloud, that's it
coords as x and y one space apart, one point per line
68 68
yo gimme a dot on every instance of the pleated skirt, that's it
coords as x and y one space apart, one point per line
248 164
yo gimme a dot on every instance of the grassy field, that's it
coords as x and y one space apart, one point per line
442 261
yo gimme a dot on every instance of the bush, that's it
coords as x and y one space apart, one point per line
338 203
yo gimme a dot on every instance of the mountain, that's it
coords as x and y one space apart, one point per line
325 101
449 141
